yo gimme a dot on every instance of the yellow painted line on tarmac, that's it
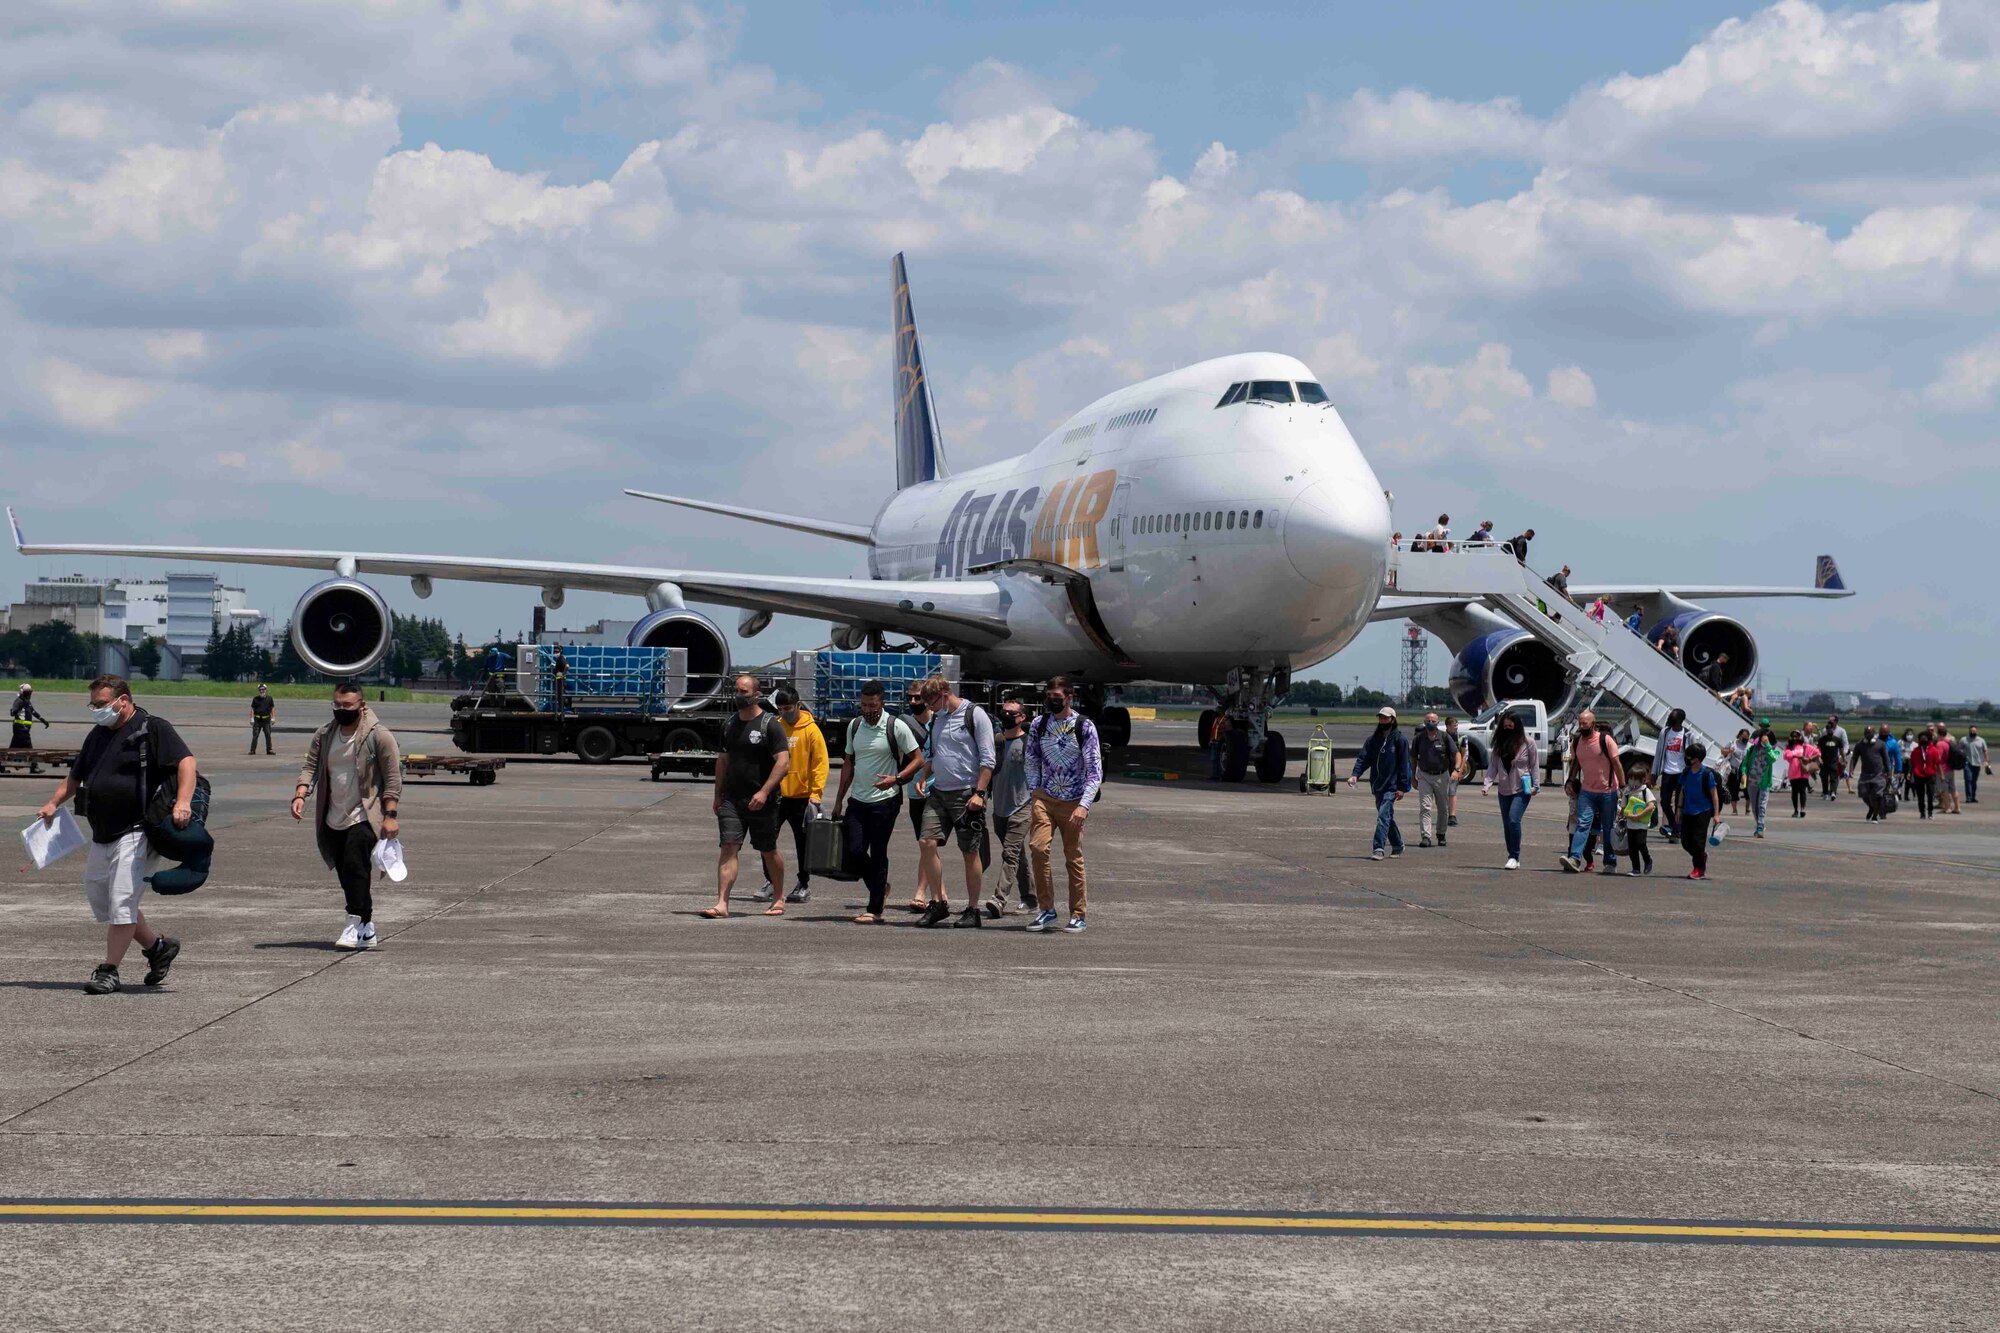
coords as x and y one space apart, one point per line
391 1213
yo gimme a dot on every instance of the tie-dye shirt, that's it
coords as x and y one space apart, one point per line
1063 758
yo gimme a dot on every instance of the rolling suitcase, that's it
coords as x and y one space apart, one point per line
826 849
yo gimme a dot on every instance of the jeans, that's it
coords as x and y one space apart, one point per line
796 811
1971 782
1594 811
1386 833
1511 810
867 827
356 867
1694 838
1760 803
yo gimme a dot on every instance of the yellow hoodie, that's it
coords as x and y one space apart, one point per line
807 775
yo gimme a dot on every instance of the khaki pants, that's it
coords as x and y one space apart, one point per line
1051 814
1432 796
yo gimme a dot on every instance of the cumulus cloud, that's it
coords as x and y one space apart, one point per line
89 401
1412 125
520 322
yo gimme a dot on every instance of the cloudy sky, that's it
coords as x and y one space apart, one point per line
1698 292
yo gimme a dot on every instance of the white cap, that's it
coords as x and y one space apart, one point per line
1387 712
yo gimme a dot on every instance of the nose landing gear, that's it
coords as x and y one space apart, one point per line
1247 697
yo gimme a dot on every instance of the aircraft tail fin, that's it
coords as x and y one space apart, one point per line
1826 574
919 450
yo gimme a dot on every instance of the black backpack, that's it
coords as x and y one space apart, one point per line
191 846
1954 757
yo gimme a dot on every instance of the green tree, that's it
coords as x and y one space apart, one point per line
54 648
463 666
291 668
218 659
14 649
1984 710
146 658
1819 701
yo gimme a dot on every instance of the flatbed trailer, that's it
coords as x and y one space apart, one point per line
34 761
481 770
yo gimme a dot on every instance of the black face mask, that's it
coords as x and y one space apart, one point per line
347 717
1054 703
745 700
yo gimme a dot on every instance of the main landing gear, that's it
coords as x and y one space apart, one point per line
1246 698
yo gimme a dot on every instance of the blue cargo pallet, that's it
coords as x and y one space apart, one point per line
830 683
605 679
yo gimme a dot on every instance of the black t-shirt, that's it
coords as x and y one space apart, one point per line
260 706
1434 750
753 748
109 766
1871 760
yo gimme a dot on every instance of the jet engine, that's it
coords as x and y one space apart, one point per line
1508 664
341 627
1705 635
707 649
849 638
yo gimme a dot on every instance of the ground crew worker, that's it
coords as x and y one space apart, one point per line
800 793
260 719
354 766
24 715
560 670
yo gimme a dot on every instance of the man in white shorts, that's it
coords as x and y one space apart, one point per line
126 757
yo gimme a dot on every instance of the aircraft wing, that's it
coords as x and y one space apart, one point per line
1392 607
1612 592
965 611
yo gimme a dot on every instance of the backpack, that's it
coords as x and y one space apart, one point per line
191 846
1955 756
1085 730
900 756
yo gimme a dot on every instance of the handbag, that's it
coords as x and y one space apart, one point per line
826 849
192 846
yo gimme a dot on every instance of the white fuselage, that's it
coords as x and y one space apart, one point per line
1253 535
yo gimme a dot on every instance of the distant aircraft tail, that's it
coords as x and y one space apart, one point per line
1826 574
919 451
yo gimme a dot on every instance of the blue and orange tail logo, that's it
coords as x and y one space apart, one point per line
1826 574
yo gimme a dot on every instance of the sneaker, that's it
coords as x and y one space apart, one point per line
993 910
1075 926
1044 920
1758 834
165 949
765 894
350 936
367 939
1609 870
1451 821
801 893
969 917
1630 874
1425 843
1378 855
1570 865
935 915
1440 839
1395 851
1513 863
1696 874
102 981
1589 864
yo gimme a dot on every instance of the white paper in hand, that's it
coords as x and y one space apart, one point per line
51 842
388 859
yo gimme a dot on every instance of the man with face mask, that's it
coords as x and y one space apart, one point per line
1385 757
261 709
126 757
1435 755
354 766
1595 774
1065 768
1010 811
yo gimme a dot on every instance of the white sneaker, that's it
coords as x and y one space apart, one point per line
1513 864
367 938
350 938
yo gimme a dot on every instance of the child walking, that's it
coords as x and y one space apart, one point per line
1638 812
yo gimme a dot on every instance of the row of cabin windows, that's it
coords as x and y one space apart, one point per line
1273 391
1224 520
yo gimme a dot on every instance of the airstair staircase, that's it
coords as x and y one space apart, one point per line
1603 655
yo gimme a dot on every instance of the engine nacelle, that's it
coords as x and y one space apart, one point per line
849 638
341 627
1509 664
1707 635
707 649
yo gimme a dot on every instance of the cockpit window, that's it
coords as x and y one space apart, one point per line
1235 395
1311 393
1270 391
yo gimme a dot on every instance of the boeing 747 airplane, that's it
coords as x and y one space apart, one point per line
1216 526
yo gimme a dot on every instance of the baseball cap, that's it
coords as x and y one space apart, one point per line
1386 711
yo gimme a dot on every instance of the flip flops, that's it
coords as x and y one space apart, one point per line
715 913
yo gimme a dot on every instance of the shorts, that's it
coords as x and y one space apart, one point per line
736 818
1948 781
114 878
944 808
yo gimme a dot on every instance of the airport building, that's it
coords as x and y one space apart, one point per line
180 610
88 605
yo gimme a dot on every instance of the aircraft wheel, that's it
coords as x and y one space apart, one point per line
1114 727
596 745
1205 726
1271 763
1236 755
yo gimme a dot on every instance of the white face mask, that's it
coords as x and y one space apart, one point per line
106 716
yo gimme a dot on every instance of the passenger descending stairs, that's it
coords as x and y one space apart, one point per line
1603 655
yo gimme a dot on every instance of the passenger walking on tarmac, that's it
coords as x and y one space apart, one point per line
959 766
1595 776
1801 762
354 771
1832 755
1434 755
1011 815
1950 761
262 706
1511 764
110 781
1923 761
1870 766
23 714
1700 791
1670 763
1762 763
918 718
1976 765
1909 748
799 795
1895 749
882 754
1065 770
756 755
1461 771
1638 812
1732 766
1385 757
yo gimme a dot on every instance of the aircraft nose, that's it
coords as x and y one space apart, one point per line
1337 535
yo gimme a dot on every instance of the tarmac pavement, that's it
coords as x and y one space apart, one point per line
1259 1020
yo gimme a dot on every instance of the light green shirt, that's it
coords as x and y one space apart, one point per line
871 756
